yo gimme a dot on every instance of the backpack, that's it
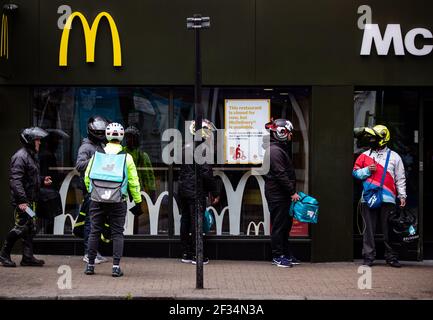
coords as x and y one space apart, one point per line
403 226
108 177
306 209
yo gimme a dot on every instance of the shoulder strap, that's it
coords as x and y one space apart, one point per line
124 163
385 168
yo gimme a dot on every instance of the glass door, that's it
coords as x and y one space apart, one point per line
399 110
426 176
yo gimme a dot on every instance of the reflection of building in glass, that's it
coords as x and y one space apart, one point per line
148 110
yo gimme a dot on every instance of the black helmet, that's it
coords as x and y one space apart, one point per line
96 128
29 135
280 128
132 131
132 135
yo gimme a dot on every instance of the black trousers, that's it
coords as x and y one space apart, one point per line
98 213
370 218
25 229
187 226
281 225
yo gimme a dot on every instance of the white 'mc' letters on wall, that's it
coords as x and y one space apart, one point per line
393 35
409 42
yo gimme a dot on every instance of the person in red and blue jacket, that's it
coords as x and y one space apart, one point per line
369 167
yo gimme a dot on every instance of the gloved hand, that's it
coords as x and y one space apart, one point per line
136 210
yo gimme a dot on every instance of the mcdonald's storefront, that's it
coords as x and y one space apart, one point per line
313 62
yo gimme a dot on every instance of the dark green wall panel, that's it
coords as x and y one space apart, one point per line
305 41
156 46
331 157
14 115
23 65
250 42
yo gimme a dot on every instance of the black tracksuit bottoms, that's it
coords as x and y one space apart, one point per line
281 223
117 215
187 226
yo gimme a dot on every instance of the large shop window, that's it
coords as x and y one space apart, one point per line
64 112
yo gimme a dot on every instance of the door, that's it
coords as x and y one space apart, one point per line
426 176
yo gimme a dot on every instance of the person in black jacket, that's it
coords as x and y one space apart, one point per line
280 189
25 182
95 141
187 195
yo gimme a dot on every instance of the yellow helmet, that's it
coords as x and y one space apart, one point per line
383 133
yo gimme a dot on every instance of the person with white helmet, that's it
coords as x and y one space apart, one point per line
109 176
370 169
280 190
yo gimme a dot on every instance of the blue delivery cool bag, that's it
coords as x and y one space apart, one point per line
208 221
306 209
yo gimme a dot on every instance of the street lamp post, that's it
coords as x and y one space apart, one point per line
197 22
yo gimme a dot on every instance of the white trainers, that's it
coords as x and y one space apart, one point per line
99 259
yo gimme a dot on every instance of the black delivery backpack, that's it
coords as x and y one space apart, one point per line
403 226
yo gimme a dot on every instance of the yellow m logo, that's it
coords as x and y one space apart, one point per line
90 38
4 41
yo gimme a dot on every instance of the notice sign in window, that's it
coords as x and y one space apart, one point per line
244 129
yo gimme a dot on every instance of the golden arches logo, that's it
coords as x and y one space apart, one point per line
90 38
4 41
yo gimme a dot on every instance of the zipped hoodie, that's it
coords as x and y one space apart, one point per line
395 180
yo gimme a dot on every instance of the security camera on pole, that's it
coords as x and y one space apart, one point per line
196 23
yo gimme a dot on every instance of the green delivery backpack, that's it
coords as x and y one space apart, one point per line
306 209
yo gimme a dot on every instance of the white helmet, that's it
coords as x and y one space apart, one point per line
280 128
114 131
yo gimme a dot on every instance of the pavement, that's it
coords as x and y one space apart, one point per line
156 278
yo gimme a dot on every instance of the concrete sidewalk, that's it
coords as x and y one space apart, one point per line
170 279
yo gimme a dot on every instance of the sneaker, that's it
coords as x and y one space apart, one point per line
293 260
367 262
90 269
282 262
394 263
116 272
100 259
6 261
32 262
186 258
205 260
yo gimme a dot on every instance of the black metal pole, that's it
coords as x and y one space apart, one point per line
198 181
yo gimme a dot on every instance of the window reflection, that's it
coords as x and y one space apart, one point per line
64 111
